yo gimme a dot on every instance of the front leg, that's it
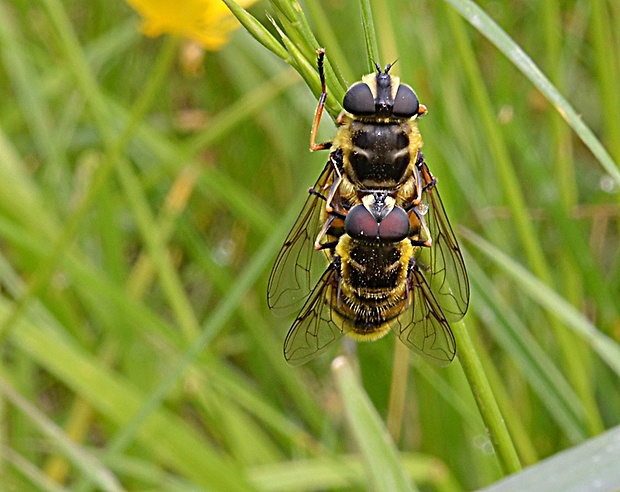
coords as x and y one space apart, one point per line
321 106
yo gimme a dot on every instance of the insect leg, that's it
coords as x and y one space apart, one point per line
429 180
428 242
319 109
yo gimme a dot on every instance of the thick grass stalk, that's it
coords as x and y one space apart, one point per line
327 38
300 54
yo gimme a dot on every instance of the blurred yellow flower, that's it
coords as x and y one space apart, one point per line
207 22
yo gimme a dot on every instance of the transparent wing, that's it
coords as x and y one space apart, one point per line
423 327
442 264
315 328
298 265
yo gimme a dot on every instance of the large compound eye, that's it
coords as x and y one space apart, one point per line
360 224
406 103
359 100
395 226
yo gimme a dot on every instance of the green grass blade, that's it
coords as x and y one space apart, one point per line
164 434
604 346
257 30
538 369
381 458
334 472
88 464
34 475
489 29
212 325
370 35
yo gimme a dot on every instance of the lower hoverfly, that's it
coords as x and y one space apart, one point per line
373 283
299 266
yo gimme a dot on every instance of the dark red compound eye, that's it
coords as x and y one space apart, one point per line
395 226
361 224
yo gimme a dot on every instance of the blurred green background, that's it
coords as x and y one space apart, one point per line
146 187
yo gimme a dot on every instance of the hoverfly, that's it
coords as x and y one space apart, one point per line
373 283
378 141
375 152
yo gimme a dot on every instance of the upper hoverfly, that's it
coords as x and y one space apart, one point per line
376 152
372 284
377 143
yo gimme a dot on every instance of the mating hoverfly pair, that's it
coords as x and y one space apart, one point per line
375 213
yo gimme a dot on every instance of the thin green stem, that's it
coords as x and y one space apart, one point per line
519 436
384 25
328 39
605 54
370 35
257 30
489 410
